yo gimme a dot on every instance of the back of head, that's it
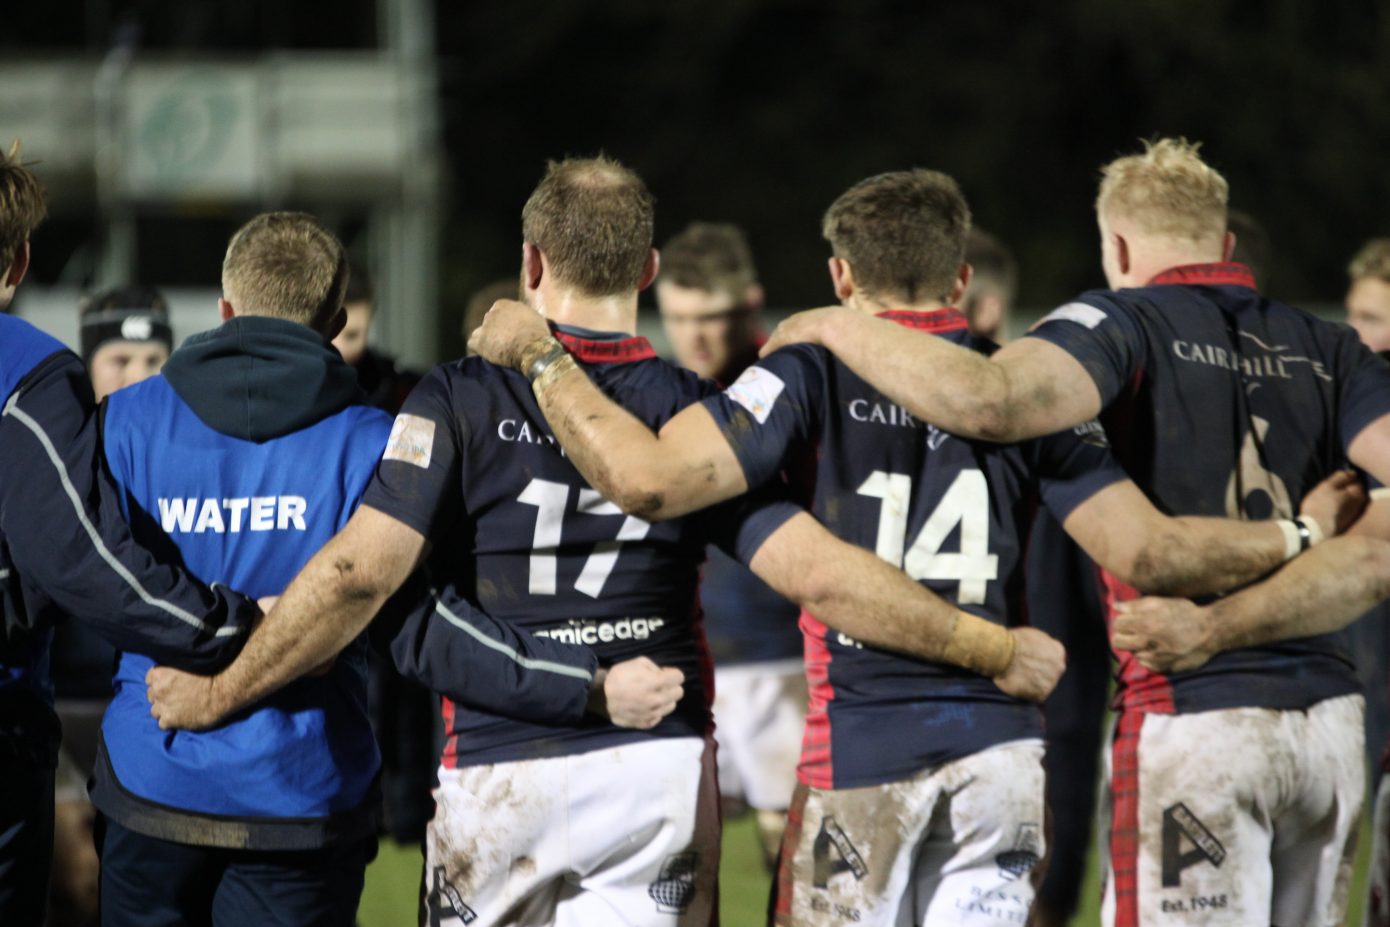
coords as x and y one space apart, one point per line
288 266
710 256
903 234
1371 262
592 218
22 205
1167 192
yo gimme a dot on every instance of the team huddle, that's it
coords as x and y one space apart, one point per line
529 538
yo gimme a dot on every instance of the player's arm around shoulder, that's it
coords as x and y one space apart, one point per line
686 466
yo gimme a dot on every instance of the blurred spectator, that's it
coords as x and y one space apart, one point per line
385 384
125 336
993 285
1368 299
480 302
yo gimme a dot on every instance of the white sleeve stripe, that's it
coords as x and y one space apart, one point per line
4 574
1082 314
12 408
525 662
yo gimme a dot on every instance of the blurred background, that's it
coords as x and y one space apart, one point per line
416 129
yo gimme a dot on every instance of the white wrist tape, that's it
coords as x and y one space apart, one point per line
1293 542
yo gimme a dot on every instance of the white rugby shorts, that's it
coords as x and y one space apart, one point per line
625 836
955 845
1238 816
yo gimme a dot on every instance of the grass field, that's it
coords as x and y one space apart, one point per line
393 883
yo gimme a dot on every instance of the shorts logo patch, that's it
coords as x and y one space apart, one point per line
444 893
1083 314
674 888
1179 822
833 840
757 390
411 441
1024 856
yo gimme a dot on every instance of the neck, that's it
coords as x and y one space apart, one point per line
872 306
570 307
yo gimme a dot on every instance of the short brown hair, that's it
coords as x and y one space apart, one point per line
992 262
903 233
286 265
22 205
1373 260
710 256
593 220
1168 191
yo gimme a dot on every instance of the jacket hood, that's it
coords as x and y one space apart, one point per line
258 378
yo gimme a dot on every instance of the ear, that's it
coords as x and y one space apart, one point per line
649 269
532 267
336 324
19 266
962 282
843 278
754 297
225 309
1122 256
1228 246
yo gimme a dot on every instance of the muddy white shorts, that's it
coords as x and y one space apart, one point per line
1378 875
955 845
759 714
625 836
1238 816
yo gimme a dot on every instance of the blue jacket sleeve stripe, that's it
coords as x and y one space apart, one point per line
12 409
524 662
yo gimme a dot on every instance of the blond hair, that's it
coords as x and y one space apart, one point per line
1168 191
593 220
1373 260
286 265
22 205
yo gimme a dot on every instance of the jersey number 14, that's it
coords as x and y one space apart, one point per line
965 504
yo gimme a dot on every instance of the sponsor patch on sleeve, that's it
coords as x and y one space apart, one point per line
411 441
1082 314
757 390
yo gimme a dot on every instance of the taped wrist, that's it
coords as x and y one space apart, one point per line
979 645
538 355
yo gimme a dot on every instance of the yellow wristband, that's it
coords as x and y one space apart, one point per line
979 645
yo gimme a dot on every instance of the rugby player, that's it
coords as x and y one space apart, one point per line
1368 298
243 456
1219 401
709 297
65 550
921 789
572 822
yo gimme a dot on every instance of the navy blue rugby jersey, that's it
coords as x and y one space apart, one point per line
1221 402
473 466
952 513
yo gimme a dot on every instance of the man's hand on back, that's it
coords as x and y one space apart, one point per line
181 700
507 329
1165 635
1038 663
636 693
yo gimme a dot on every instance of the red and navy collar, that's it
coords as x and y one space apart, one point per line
1223 273
937 321
616 351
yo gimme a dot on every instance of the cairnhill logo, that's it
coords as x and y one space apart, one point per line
674 888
